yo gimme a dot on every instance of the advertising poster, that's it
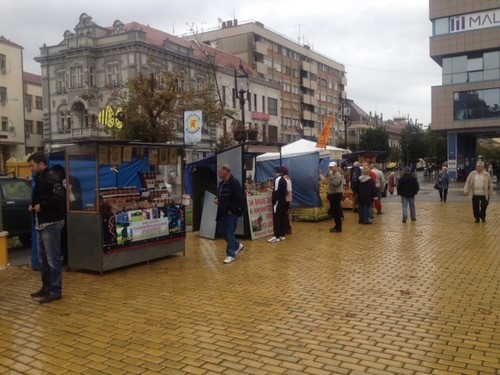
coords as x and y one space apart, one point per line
136 227
139 225
260 215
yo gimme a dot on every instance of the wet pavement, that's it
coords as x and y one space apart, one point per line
389 298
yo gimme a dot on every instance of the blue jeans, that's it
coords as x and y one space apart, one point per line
49 255
364 213
405 202
228 227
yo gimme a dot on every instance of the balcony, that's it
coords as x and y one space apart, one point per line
261 47
261 67
309 99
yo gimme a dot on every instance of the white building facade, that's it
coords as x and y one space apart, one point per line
11 101
80 74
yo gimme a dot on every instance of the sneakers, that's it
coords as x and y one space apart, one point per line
238 250
282 238
229 260
273 239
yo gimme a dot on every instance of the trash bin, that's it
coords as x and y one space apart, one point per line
4 258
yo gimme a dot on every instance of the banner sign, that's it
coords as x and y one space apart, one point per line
126 229
260 215
193 123
474 21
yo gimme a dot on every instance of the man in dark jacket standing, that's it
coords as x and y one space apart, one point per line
408 187
49 207
229 202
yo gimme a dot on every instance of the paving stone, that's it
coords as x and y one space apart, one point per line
414 298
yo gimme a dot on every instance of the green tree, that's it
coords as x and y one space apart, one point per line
375 139
436 147
413 143
154 108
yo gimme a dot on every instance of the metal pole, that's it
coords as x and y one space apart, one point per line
242 106
408 153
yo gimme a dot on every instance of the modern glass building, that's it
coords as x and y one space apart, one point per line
465 42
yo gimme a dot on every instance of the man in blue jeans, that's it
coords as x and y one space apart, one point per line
229 202
408 187
49 208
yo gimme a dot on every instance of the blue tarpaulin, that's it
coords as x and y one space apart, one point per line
304 171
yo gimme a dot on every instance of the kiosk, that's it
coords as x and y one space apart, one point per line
123 203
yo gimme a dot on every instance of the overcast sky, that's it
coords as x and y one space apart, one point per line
383 44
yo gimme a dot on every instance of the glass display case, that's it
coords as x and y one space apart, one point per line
121 210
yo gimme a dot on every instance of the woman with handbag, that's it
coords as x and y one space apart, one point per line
443 184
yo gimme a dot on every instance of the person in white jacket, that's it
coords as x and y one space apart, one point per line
479 186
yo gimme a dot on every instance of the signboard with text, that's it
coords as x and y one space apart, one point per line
260 215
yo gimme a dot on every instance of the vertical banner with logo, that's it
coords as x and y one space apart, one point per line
193 123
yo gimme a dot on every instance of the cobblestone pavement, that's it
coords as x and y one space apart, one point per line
389 298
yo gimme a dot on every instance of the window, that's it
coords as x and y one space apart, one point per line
28 102
64 121
223 92
272 106
38 102
5 123
3 63
249 100
92 81
3 95
113 76
441 26
478 104
76 76
28 126
471 68
264 104
39 127
61 82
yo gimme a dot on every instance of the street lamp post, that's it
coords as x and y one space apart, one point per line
241 84
408 152
346 112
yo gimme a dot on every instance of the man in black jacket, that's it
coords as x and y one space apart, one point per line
229 202
49 207
408 187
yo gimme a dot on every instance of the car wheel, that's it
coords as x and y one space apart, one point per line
25 240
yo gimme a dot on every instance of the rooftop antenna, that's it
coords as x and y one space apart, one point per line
299 37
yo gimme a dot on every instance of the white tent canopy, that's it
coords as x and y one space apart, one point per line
303 146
